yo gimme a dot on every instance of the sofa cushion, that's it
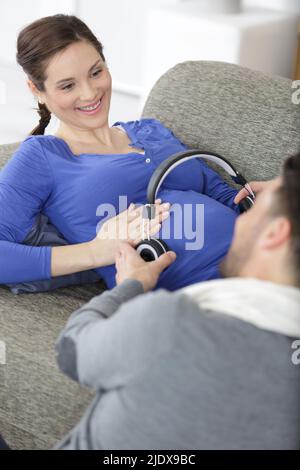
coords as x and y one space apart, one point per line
38 404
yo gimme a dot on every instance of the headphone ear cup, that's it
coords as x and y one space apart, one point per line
152 249
246 204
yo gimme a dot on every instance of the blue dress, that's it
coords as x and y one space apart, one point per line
45 176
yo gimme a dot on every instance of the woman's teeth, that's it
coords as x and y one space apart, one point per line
90 108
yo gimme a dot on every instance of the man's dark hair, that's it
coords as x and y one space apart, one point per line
288 204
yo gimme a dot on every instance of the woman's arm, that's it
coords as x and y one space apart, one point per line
71 259
215 187
102 249
26 183
23 263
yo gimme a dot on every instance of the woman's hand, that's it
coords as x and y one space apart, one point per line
127 226
256 187
130 265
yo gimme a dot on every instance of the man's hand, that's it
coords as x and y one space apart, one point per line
256 187
130 265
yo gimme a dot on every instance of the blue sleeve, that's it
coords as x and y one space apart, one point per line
215 187
195 174
25 184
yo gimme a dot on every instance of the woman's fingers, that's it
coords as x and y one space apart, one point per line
240 195
160 211
155 229
118 261
163 215
140 223
163 207
131 225
256 187
143 235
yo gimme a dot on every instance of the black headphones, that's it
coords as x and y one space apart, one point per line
150 249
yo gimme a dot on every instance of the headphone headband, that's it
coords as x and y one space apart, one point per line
169 164
152 248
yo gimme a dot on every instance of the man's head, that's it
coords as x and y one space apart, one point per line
266 241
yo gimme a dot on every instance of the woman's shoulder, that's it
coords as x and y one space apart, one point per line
38 145
31 152
147 126
38 141
28 167
147 129
32 142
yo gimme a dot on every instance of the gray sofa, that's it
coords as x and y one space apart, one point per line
244 115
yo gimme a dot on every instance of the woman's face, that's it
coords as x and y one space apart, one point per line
78 77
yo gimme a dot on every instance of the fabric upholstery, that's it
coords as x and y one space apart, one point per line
244 115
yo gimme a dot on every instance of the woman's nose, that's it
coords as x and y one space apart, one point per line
87 93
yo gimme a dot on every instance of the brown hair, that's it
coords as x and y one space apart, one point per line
38 42
287 202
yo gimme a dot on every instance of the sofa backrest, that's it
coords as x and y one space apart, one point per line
6 151
245 115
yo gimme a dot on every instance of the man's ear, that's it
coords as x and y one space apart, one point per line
276 233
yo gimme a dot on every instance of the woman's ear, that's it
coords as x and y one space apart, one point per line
32 88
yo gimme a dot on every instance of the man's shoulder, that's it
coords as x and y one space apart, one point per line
190 315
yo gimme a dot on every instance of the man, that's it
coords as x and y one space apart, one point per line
206 367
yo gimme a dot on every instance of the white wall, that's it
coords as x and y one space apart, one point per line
15 14
117 23
17 116
283 5
121 26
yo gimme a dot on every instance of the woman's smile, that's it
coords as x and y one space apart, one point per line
91 110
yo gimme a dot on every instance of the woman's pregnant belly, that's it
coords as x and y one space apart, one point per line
199 230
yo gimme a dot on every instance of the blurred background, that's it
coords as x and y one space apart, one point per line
142 39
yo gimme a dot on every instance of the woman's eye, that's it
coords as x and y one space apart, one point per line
67 87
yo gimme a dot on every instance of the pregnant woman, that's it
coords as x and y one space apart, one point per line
86 166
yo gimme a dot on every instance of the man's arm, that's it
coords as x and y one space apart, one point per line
116 335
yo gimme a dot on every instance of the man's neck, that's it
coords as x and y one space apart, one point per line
277 275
